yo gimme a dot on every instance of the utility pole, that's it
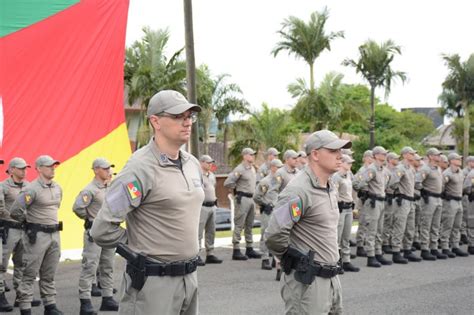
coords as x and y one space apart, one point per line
191 70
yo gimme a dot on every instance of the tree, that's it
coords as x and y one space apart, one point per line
458 92
306 40
374 66
147 70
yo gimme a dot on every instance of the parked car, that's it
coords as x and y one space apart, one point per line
223 220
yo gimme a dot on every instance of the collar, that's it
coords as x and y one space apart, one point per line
40 181
287 169
98 183
314 179
162 158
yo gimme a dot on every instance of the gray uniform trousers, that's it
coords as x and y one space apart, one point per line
264 219
465 214
374 223
430 221
470 223
417 205
14 248
344 227
207 221
400 216
388 218
244 214
43 258
410 228
362 228
161 295
323 296
451 221
92 256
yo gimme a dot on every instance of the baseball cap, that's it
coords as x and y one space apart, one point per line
170 102
454 156
206 158
392 156
470 159
101 163
406 150
379 150
17 163
325 139
433 151
46 160
347 151
272 151
368 153
276 162
248 151
417 157
444 158
347 159
302 153
290 154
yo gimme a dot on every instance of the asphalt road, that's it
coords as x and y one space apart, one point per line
441 287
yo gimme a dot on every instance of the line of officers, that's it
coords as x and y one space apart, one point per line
30 229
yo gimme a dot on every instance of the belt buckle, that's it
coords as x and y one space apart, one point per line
177 269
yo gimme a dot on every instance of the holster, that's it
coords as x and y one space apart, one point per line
471 197
4 233
31 233
294 259
399 201
267 209
372 202
362 195
389 199
136 264
238 199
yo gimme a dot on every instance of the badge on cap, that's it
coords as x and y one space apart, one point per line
134 190
295 210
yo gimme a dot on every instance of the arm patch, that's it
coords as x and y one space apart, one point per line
288 211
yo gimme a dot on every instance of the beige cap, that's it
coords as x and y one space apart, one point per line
368 153
46 160
392 156
444 158
347 159
18 163
302 153
470 159
433 151
325 139
276 162
406 150
454 156
418 158
379 150
272 151
290 154
347 152
206 158
101 163
170 102
248 151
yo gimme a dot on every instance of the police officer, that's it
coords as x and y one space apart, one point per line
403 182
208 211
429 181
468 190
374 180
285 174
303 231
417 164
343 186
443 163
242 181
361 233
264 169
451 218
266 197
392 162
87 205
465 200
302 160
37 206
159 194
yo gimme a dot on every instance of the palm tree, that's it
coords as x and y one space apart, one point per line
306 40
458 91
374 65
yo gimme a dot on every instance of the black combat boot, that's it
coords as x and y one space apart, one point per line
4 305
382 260
109 304
26 311
459 252
352 243
398 258
417 245
470 250
426 255
87 308
408 254
34 303
438 255
464 239
347 266
251 253
449 253
387 249
266 264
211 259
95 290
372 262
200 262
51 309
237 255
6 287
361 251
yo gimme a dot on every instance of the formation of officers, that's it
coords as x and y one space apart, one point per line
168 200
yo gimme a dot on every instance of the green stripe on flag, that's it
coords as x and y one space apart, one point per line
18 14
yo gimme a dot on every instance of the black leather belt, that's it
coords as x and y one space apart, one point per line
417 197
46 228
12 224
429 193
450 197
210 203
244 194
376 197
319 270
402 196
170 269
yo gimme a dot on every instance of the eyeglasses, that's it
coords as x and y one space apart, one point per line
180 117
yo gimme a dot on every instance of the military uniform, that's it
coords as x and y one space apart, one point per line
465 202
388 216
284 175
38 205
468 189
263 171
208 213
160 200
362 226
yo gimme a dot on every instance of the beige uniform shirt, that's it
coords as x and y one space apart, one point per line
160 203
89 201
209 186
263 171
266 192
429 178
9 191
38 203
242 178
469 182
284 175
305 217
355 179
343 186
453 182
403 179
389 174
373 179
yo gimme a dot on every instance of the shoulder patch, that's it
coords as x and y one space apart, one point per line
85 198
236 174
279 179
28 199
134 190
296 207
399 174
446 178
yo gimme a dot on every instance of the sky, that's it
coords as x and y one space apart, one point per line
236 37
